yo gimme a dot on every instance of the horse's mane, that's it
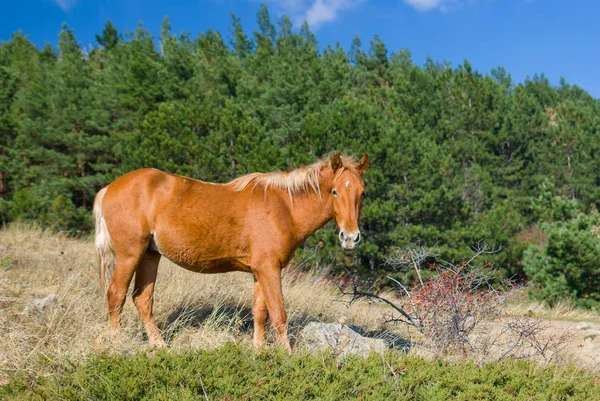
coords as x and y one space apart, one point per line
294 182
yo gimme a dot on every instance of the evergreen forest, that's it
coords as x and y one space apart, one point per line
458 157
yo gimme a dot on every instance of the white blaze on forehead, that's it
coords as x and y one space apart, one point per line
347 184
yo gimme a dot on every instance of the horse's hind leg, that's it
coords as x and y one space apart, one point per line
117 291
127 259
145 277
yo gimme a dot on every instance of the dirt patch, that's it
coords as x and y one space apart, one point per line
584 347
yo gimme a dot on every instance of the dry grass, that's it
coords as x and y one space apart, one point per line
192 310
560 311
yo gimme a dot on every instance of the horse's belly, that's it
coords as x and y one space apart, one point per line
206 253
216 266
207 263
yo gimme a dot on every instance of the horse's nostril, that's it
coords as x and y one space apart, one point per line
357 236
342 238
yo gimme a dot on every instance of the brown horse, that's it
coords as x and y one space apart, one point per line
253 224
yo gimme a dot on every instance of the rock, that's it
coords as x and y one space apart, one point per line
26 310
583 326
591 335
46 303
339 338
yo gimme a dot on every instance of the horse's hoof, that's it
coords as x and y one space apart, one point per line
158 344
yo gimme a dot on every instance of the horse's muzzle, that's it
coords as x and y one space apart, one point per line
349 241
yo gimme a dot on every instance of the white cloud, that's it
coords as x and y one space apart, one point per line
292 6
314 12
326 11
66 5
424 5
443 5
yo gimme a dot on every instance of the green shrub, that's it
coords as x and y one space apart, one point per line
567 266
48 208
233 373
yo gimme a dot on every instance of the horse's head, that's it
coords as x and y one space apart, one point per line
348 191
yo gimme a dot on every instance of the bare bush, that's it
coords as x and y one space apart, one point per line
458 307
522 337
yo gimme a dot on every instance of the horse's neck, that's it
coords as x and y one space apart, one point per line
310 212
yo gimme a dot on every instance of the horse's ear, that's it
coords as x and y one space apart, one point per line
363 164
336 162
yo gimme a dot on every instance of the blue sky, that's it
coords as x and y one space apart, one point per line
559 38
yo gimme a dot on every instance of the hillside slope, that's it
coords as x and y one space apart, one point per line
52 310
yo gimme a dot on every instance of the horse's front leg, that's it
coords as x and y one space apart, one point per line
269 279
260 313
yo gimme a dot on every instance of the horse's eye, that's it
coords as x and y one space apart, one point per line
334 192
363 195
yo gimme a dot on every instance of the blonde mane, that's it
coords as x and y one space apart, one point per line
295 182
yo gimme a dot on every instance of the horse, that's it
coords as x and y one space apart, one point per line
252 224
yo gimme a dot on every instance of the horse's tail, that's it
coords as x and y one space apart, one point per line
105 251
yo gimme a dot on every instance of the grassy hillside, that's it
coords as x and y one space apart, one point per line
63 351
194 311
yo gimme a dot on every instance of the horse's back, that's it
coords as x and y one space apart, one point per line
149 195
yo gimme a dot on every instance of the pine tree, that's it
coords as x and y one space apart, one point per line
110 37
